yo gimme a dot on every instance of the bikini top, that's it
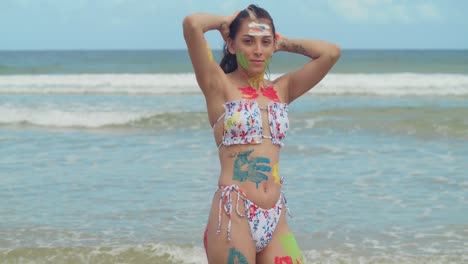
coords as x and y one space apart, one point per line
243 122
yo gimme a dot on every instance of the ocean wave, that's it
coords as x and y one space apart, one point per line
426 121
394 84
168 254
92 118
409 121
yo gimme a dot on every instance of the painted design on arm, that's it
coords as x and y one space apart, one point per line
289 243
296 48
210 54
250 168
234 254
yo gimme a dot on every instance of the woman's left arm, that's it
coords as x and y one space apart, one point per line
323 56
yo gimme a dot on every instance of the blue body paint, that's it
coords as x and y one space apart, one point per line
250 169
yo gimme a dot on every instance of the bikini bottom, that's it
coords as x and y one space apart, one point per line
262 222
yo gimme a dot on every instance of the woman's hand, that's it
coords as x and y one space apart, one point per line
280 42
224 27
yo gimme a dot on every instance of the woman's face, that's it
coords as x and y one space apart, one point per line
253 45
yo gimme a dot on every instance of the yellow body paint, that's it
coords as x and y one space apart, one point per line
210 54
257 81
275 173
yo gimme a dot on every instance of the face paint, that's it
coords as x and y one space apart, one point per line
267 62
275 173
210 54
290 245
234 254
250 168
256 29
242 60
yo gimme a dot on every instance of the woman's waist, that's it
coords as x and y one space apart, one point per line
264 194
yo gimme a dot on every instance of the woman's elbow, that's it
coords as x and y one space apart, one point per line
188 23
335 52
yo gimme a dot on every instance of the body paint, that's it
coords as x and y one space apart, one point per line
248 92
234 254
270 93
290 245
284 260
275 173
210 54
267 62
256 29
257 81
242 60
251 169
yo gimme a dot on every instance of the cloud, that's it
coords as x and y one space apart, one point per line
386 11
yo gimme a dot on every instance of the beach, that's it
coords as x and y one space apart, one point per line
108 157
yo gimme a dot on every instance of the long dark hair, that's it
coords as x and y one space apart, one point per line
229 61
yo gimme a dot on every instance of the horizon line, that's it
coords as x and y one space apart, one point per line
185 49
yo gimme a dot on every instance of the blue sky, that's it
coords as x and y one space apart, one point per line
156 24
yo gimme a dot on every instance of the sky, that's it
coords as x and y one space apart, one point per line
156 24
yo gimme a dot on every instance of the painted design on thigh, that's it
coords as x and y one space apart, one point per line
275 173
292 249
234 254
250 168
284 260
210 54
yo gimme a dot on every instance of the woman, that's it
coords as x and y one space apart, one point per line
249 115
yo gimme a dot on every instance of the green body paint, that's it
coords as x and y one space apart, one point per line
234 254
242 60
290 245
267 62
250 169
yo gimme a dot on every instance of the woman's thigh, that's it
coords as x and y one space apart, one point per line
240 248
282 248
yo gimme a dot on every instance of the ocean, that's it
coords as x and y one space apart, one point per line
108 157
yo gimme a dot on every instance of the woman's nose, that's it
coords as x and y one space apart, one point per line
258 48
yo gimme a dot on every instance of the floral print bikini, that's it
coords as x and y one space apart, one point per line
243 125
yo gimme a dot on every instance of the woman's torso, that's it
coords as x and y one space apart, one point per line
255 168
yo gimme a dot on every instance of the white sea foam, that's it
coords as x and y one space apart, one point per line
62 118
395 84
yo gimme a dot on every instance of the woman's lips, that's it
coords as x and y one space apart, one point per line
257 62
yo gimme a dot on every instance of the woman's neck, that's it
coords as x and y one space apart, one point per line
255 81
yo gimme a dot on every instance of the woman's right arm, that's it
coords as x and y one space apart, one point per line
207 71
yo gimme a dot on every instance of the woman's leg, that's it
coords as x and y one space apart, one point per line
240 248
282 248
